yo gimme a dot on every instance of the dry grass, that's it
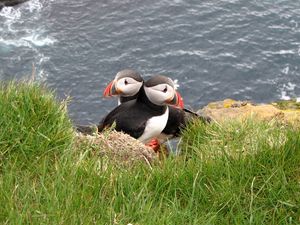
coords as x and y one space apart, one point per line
118 147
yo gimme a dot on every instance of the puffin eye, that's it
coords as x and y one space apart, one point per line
125 82
165 90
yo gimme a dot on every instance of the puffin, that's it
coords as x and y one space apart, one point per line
146 116
126 84
178 116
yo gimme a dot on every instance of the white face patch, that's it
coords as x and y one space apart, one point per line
128 86
160 93
154 127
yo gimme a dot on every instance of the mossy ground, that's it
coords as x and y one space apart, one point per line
287 104
238 172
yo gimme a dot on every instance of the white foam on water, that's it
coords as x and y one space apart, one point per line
287 91
10 13
284 96
36 40
28 41
178 1
183 52
11 30
284 52
13 42
14 14
290 86
33 5
228 54
42 75
295 24
286 70
280 52
31 35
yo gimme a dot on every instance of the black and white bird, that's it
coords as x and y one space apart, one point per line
126 86
178 117
147 116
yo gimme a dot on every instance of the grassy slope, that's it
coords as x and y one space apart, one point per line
234 173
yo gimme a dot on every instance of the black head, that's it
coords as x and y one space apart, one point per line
160 90
127 83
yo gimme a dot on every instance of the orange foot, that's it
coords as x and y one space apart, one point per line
154 144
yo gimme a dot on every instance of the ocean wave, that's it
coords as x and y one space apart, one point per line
280 52
287 90
36 40
12 42
10 14
28 41
27 36
284 95
33 5
183 52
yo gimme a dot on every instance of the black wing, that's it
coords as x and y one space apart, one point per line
129 117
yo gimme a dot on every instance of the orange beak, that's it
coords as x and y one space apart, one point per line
111 90
176 100
180 102
107 91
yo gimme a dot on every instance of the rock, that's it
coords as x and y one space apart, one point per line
10 2
229 109
86 129
117 147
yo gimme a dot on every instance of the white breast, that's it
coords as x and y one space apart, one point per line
154 127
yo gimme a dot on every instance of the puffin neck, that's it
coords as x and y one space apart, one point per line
123 99
142 98
128 98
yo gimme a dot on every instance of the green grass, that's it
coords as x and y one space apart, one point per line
232 173
32 123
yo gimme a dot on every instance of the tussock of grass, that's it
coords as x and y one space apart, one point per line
231 173
32 122
119 148
252 170
234 138
287 104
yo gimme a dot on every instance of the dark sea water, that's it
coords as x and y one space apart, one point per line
216 49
